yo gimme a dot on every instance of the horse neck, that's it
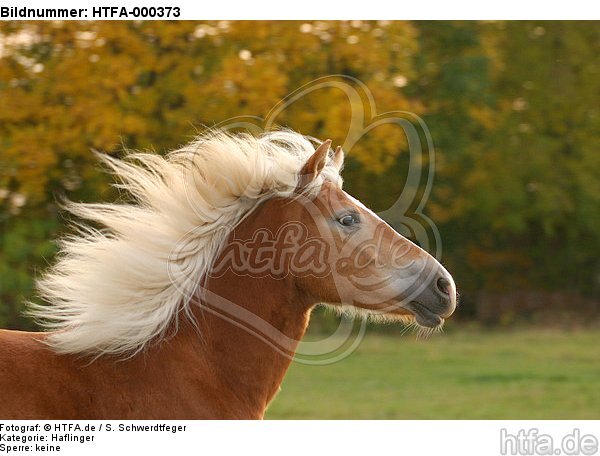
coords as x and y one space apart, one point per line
250 328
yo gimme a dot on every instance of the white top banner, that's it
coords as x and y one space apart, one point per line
308 9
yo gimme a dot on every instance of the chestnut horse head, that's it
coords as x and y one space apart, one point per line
340 253
216 207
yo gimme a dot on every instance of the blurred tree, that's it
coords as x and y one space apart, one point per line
69 87
513 108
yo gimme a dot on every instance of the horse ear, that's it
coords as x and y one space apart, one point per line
315 164
338 158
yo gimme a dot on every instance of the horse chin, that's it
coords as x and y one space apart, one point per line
423 316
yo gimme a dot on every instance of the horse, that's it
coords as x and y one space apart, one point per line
168 305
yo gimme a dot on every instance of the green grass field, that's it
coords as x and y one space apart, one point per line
466 374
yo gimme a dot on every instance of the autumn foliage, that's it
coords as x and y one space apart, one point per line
512 108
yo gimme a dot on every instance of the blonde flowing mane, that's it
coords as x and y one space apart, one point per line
113 290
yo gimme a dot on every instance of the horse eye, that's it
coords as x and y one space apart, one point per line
349 220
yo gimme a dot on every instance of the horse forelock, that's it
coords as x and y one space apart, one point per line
114 290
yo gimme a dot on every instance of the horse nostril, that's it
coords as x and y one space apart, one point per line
443 285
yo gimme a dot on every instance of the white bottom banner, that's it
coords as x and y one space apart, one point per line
289 438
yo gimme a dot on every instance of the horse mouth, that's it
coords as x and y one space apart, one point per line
424 316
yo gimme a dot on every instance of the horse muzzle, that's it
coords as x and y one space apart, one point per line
435 302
